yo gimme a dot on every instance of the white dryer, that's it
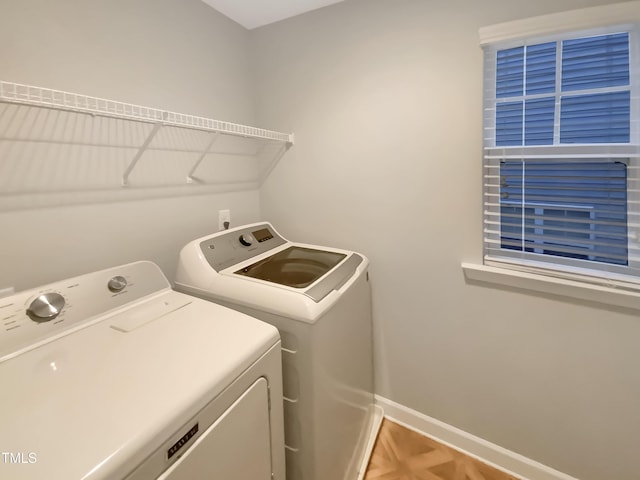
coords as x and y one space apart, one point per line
113 375
319 298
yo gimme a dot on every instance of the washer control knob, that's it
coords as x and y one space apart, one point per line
117 284
45 307
245 240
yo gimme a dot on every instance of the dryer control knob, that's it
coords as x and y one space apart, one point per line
46 307
245 240
117 284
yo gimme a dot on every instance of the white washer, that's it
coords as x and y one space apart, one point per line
113 375
319 298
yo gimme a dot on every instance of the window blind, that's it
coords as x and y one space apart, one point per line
561 173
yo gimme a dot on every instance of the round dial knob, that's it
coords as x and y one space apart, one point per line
117 284
46 307
245 240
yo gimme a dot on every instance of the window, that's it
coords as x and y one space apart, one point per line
561 135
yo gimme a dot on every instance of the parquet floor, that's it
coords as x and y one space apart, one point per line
402 454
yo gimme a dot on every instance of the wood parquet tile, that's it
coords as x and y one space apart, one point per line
402 454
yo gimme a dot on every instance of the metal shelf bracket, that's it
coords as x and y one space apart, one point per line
214 137
139 153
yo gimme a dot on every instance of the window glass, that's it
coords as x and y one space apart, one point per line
541 68
595 62
597 118
509 123
538 123
571 209
510 72
593 65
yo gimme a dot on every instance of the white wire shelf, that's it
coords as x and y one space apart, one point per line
46 97
19 94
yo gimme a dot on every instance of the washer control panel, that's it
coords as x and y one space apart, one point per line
231 247
31 317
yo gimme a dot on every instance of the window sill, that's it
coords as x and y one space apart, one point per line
620 298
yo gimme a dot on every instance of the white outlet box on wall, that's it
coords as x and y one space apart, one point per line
224 216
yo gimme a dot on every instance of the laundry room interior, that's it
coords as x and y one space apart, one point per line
382 105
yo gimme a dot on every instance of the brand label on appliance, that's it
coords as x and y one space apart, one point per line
175 448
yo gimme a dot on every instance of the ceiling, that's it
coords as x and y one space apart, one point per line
256 13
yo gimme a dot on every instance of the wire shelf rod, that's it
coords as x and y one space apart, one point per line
130 146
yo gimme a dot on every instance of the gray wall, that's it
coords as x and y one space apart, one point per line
385 99
178 55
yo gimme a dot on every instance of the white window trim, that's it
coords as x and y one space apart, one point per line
576 288
558 283
558 23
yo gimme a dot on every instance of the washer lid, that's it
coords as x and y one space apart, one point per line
95 403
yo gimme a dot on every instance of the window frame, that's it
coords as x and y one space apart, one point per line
625 152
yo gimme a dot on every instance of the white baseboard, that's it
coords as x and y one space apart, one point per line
513 463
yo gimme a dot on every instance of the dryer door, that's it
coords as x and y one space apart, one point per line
236 447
